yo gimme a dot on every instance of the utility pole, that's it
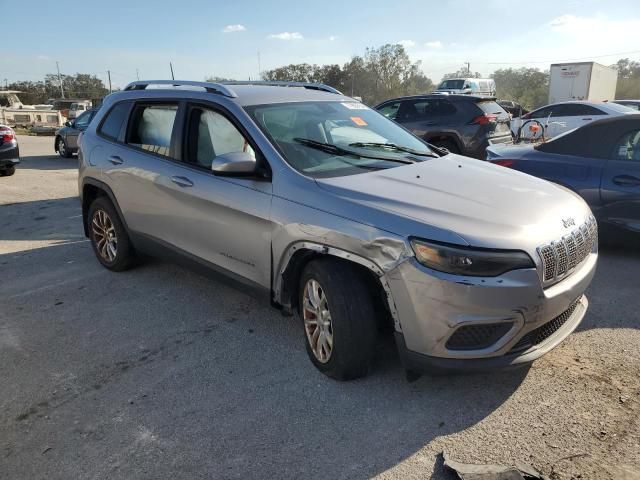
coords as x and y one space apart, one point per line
109 75
468 69
6 84
171 67
137 74
259 67
60 80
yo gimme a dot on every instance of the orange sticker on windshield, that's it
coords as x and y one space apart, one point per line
359 121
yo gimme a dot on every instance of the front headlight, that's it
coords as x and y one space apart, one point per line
469 261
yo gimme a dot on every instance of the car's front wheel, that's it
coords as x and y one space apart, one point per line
338 317
108 236
61 146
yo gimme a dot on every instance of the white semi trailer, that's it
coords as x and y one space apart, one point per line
582 81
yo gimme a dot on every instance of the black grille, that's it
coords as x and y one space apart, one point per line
540 334
476 337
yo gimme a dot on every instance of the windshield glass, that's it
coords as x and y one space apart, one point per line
328 139
452 85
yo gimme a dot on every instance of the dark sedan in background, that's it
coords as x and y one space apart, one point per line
9 151
464 124
66 141
599 161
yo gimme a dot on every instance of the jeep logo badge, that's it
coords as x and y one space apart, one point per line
568 222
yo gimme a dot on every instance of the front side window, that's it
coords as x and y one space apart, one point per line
327 139
212 134
151 128
452 85
390 110
83 120
112 124
628 147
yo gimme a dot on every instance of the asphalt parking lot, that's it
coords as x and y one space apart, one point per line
161 373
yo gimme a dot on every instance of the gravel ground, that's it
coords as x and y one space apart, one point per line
161 373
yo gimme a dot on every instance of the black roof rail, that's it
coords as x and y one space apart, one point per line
309 85
207 86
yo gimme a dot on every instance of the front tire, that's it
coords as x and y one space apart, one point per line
7 172
338 317
63 151
108 236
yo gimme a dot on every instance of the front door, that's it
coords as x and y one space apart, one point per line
620 189
223 220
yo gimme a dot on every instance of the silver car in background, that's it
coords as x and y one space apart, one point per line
337 213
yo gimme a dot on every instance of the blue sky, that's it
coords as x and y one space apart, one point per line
223 38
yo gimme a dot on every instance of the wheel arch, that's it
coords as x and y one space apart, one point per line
299 254
92 189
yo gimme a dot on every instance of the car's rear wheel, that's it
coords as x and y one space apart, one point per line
338 317
7 172
108 236
63 151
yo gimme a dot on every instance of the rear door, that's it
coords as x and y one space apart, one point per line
620 190
426 115
498 128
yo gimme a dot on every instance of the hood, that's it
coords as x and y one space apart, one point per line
487 205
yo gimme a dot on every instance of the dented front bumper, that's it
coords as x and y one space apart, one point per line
511 318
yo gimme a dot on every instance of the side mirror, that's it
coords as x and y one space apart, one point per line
68 124
234 164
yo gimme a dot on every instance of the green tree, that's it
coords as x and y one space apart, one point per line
462 73
381 73
628 86
527 86
81 85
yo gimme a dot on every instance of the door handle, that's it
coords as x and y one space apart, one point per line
116 160
587 119
626 181
182 181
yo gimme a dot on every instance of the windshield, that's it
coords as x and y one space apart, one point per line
329 139
452 85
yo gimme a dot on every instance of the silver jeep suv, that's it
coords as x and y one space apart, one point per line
339 214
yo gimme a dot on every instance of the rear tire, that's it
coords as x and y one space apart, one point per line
108 236
7 172
344 346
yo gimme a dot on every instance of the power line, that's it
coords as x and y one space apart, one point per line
562 61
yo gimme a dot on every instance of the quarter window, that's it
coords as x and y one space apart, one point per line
212 134
151 128
114 120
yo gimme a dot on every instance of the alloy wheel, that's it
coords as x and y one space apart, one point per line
104 234
317 321
62 148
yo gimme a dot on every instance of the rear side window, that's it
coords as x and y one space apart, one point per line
114 120
151 128
490 108
628 147
427 108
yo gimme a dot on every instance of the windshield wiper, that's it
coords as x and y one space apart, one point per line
336 150
392 146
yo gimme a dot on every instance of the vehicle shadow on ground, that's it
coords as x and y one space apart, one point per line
48 162
55 219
